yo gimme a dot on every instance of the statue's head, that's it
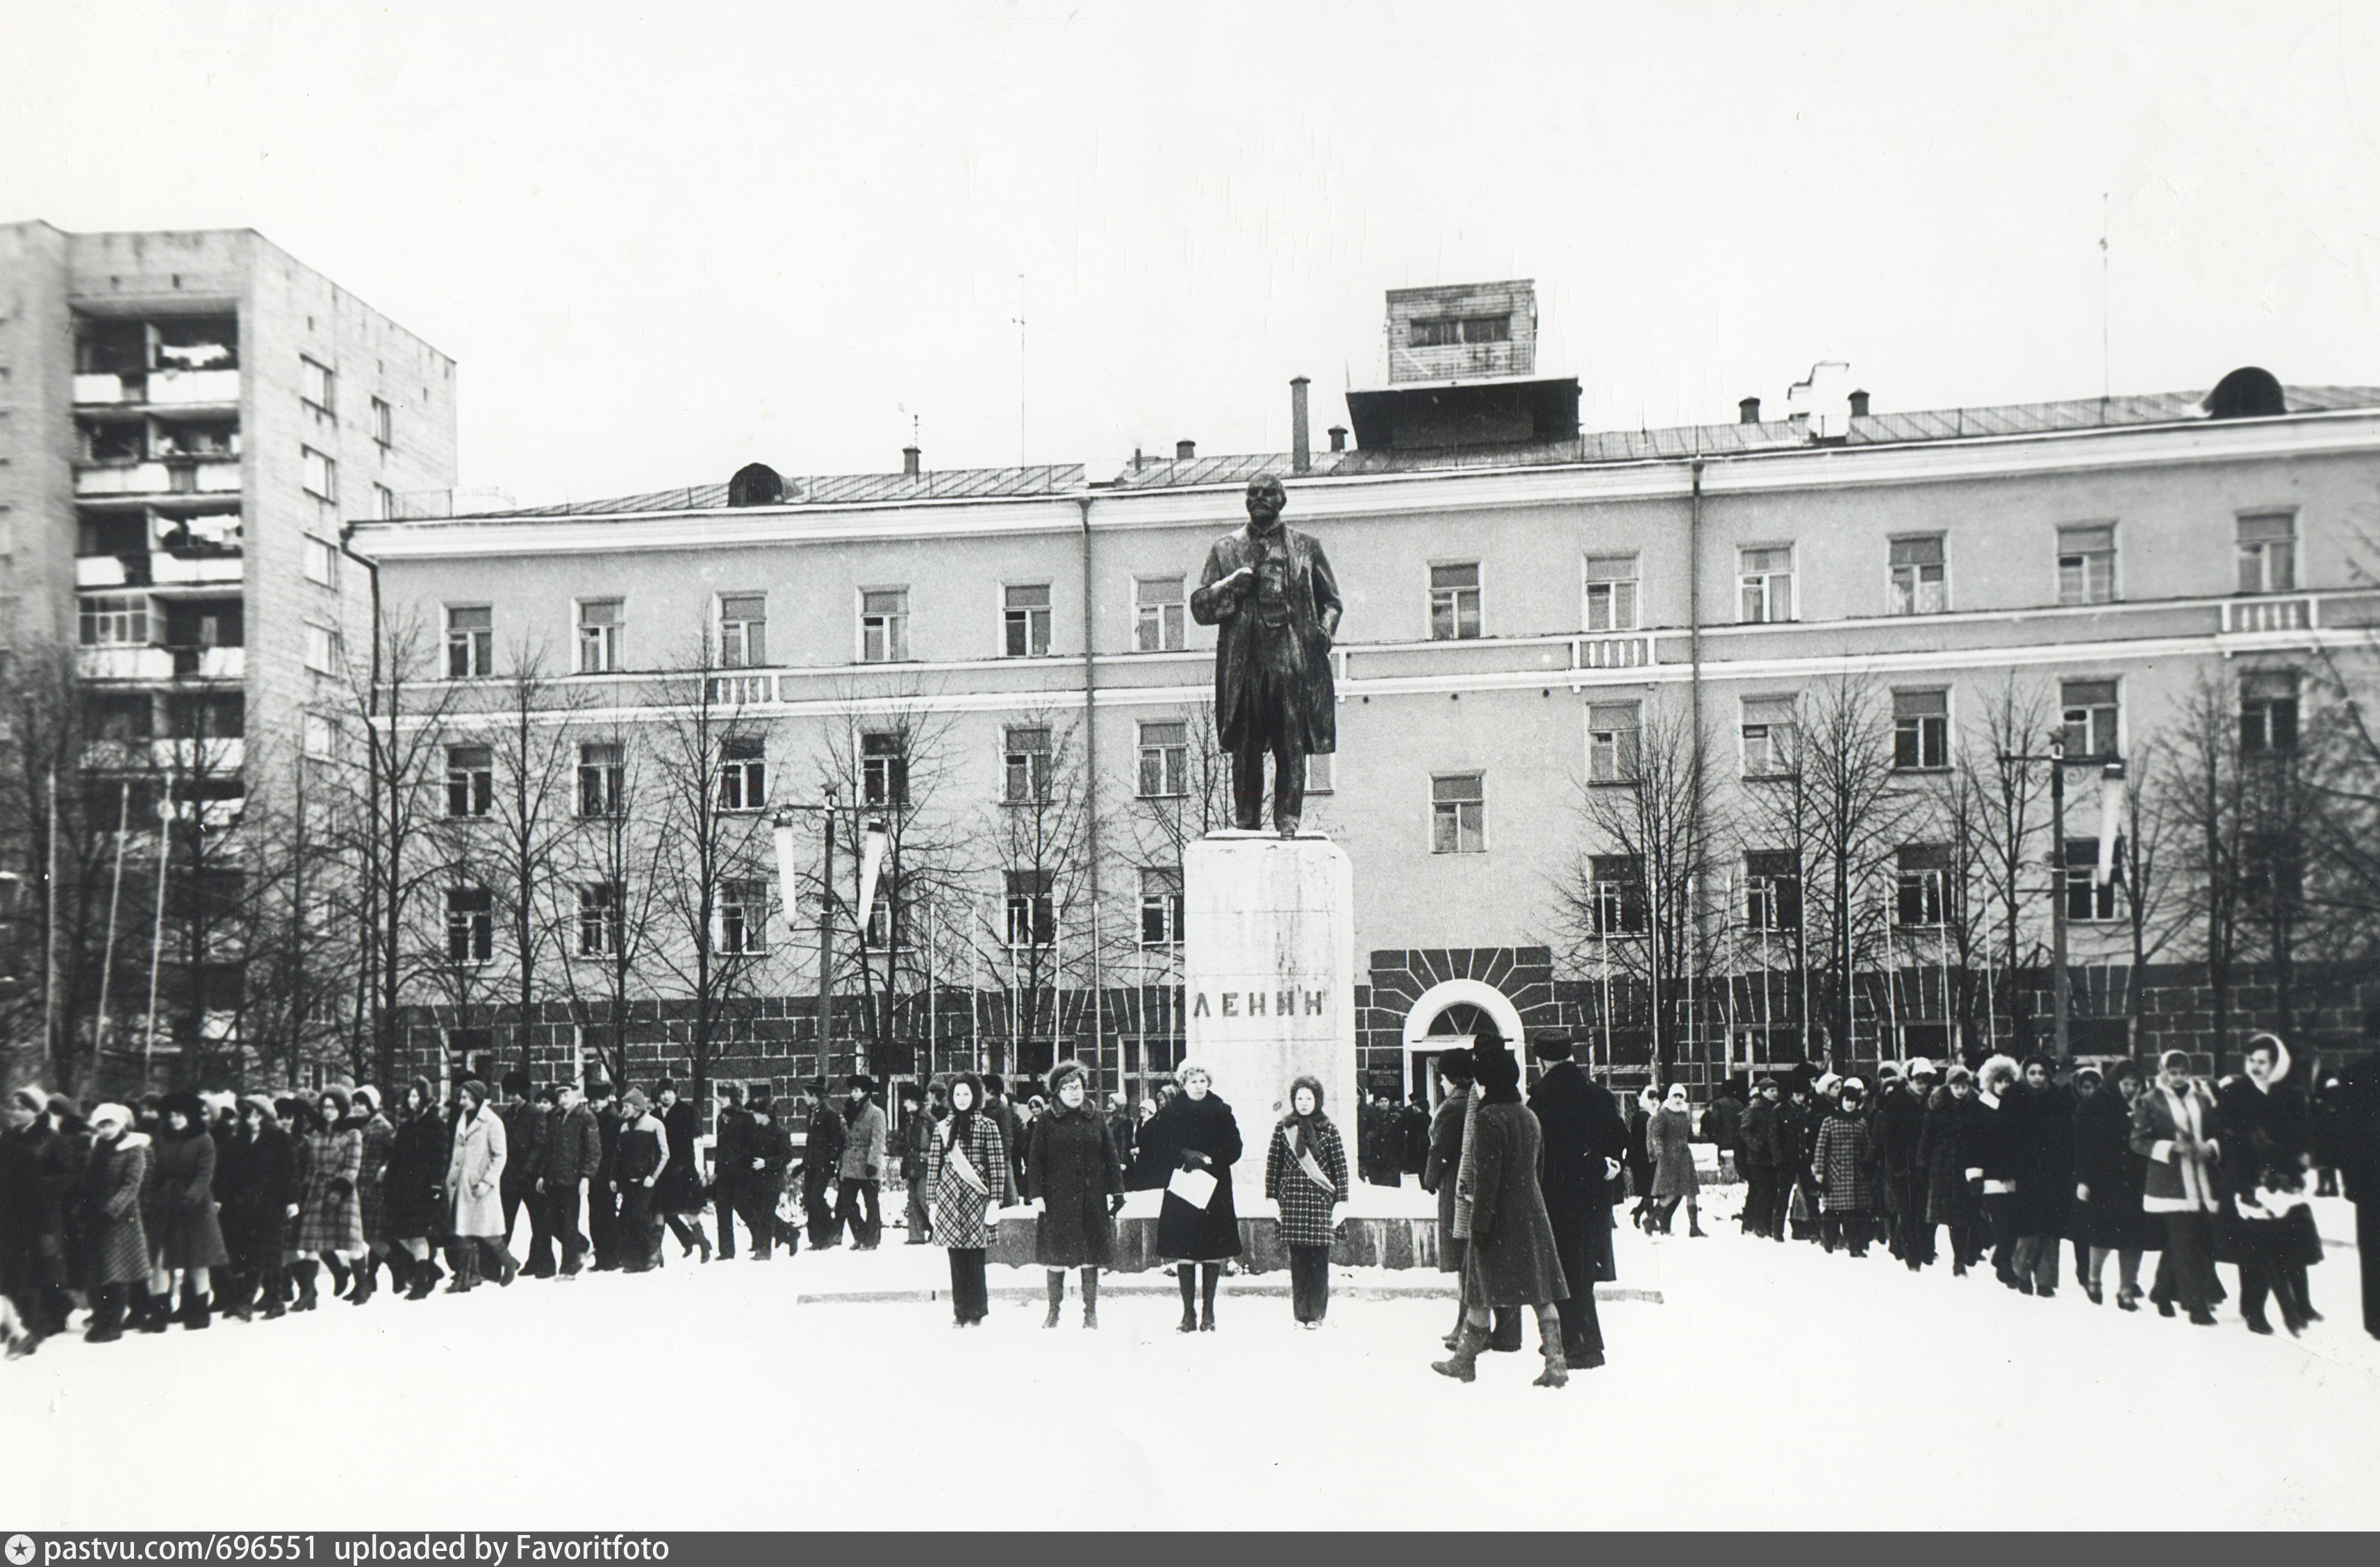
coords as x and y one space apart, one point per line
1266 498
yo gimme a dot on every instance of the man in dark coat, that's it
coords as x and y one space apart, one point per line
571 1159
2040 1127
33 1230
1898 1125
1760 1154
821 1165
1413 1134
731 1161
1584 1141
997 1104
768 1154
917 1134
2347 1129
1797 1143
1271 589
1723 1123
524 1120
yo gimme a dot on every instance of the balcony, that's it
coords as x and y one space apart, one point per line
212 816
2241 616
125 661
210 664
111 571
215 757
167 571
178 476
174 387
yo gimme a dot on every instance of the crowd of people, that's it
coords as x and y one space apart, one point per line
185 1205
2021 1162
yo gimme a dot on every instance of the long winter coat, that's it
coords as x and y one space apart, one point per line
1437 1176
822 1146
414 1186
1843 1163
680 1188
526 1125
177 1206
32 1231
1756 1147
1188 1126
864 1143
2265 1141
331 1215
1305 1204
2105 1163
1668 1138
1582 1127
1070 1166
2176 1181
1510 1260
1951 1145
959 1209
111 1192
372 1178
1896 1128
2039 1124
1310 596
475 1174
260 1182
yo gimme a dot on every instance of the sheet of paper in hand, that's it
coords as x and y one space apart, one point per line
1195 1187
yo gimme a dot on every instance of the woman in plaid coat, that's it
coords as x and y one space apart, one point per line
117 1247
1305 1174
967 1167
330 1214
1844 1166
1074 1180
371 1192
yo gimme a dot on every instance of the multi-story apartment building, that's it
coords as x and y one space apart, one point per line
1550 644
186 418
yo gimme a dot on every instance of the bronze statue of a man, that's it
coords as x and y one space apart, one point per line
1271 589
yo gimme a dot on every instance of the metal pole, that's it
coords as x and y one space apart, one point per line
157 936
826 941
50 930
115 899
2057 894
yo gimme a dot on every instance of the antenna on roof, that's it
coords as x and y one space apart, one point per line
1020 370
2105 379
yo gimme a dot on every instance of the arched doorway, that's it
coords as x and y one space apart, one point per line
1443 1018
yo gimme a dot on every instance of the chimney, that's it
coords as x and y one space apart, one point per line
1183 451
909 456
1337 437
1859 405
1748 411
1135 459
1301 445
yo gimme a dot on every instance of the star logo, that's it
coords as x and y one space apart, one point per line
21 1549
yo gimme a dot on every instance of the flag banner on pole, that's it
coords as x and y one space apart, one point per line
785 871
2111 821
871 861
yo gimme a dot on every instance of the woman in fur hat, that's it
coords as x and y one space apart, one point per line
330 1214
110 1203
413 1189
1510 1260
1845 1169
1669 1139
1949 1153
967 1167
2265 1226
261 1192
179 1212
371 1194
1305 1174
475 1171
1196 1132
2109 1177
1075 1182
2176 1127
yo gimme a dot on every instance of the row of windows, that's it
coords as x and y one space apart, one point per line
317 385
1918 574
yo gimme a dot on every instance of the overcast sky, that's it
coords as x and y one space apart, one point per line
665 240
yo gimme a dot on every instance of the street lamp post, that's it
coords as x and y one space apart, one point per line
783 823
2112 768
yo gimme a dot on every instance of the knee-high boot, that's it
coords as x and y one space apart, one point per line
1463 1365
304 1269
1187 1272
1091 1297
1210 1275
1557 1371
1057 1282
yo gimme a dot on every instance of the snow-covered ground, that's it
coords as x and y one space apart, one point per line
1771 1386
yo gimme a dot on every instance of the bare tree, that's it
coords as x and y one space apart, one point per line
2141 876
2009 794
2206 791
1036 834
607 888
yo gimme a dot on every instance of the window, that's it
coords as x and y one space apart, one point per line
1616 894
321 561
322 475
1318 773
883 771
470 780
2086 563
2090 716
601 767
742 917
315 384
1918 586
599 918
383 422
2269 712
113 620
1611 737
2268 552
888 916
1921 729
743 631
1611 592
1769 725
1766 577
383 502
2273 872
743 773
214 716
600 628
1453 602
1164 753
884 626
320 736
2086 902
471 642
1032 913
1026 620
1452 331
1025 777
1157 615
1922 888
471 924
324 653
1161 906
1458 814
1772 890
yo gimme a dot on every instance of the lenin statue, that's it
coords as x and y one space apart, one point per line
1271 591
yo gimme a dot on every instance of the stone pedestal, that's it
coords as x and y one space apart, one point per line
1269 979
